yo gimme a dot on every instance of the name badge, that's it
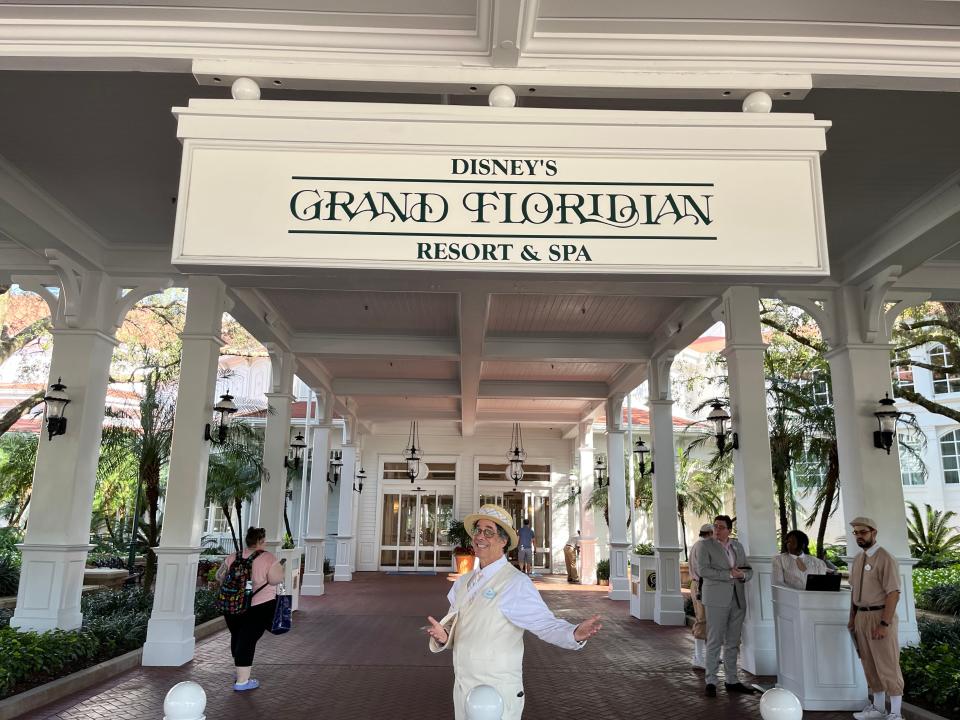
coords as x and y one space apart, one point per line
489 593
867 567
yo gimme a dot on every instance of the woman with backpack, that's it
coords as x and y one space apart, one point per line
248 598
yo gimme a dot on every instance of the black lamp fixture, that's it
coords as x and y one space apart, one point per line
720 417
55 401
225 407
641 450
296 447
336 462
516 456
600 471
361 476
887 416
413 452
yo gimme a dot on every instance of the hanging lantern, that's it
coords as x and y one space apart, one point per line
336 462
720 417
516 456
413 452
600 471
641 450
887 416
297 446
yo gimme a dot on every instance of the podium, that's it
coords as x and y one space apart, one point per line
816 658
643 586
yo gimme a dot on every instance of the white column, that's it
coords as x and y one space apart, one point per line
170 638
276 442
668 604
617 500
316 532
588 527
346 539
753 476
871 483
85 315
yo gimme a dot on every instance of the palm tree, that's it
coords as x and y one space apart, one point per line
18 455
937 539
235 473
699 490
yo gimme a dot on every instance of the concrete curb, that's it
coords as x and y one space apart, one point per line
50 692
918 713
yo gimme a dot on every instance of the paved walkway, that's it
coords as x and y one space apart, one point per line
358 654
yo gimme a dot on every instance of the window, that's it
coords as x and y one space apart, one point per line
903 373
496 472
950 453
808 472
943 382
217 521
818 385
911 466
438 470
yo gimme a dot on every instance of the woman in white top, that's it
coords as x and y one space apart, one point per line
791 568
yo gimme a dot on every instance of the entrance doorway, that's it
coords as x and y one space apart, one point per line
532 504
413 536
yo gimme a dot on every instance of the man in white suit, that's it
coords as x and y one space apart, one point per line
722 563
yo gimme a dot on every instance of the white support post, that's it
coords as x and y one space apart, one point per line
668 604
316 532
85 315
753 475
273 489
170 640
617 501
343 572
871 485
588 527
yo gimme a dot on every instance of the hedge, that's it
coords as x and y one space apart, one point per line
924 579
931 670
114 622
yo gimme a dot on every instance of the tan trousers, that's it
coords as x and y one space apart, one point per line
699 629
880 658
570 558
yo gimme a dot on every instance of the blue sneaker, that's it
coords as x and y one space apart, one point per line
248 685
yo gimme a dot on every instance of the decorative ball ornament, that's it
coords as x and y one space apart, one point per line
484 703
424 471
780 704
757 102
185 701
503 96
245 88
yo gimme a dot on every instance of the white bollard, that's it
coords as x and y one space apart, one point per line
484 703
185 701
780 704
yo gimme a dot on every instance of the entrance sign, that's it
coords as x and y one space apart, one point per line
296 184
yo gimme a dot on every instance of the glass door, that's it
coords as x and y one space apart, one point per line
533 505
413 535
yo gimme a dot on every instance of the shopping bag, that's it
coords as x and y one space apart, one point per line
283 615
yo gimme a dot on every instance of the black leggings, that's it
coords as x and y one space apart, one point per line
246 629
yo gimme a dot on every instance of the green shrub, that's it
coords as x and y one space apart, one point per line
118 633
28 659
10 537
931 674
923 579
643 549
835 554
205 605
106 603
941 598
9 574
327 567
937 631
603 569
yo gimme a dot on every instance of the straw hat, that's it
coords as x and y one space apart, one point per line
495 514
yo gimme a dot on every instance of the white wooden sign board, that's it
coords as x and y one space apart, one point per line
291 184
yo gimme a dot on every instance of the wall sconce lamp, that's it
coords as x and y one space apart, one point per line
225 407
336 462
720 417
641 450
361 476
296 446
887 417
600 471
55 401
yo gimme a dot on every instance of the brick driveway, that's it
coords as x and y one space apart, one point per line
358 654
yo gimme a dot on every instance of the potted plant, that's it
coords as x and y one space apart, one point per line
327 570
463 546
212 577
603 572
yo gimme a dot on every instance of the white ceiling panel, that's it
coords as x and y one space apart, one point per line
584 315
546 371
400 369
530 405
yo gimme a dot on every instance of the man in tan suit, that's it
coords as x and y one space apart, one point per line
875 592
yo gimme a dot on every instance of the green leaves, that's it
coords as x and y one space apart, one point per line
933 539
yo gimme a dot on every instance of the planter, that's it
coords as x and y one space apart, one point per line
643 591
328 577
603 582
684 574
464 563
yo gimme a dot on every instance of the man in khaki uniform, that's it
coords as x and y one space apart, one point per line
875 585
699 629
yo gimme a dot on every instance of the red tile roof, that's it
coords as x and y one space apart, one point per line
641 418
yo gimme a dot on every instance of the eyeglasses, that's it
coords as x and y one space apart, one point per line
862 533
488 533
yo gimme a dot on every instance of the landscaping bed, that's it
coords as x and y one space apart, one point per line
114 623
931 670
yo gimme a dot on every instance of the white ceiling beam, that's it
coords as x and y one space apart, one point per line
629 377
356 387
925 228
507 33
566 349
389 414
684 325
259 317
940 279
473 310
527 417
345 345
543 389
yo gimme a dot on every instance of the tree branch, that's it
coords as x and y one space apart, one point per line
927 403
10 417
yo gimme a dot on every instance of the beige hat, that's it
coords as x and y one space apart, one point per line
495 514
706 528
865 521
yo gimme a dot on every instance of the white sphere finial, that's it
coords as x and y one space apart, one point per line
484 703
780 704
245 88
503 96
757 102
185 701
